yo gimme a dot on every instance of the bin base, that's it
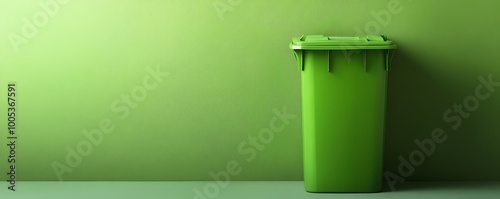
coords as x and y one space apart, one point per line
356 189
343 191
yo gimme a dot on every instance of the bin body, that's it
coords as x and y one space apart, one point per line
343 118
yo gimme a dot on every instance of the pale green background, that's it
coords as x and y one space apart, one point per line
226 77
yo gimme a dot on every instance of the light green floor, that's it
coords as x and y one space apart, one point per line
239 190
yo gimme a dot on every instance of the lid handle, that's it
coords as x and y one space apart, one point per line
299 56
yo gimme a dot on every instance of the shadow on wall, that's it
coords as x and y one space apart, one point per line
433 130
412 96
447 186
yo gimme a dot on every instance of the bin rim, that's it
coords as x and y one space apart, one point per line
321 42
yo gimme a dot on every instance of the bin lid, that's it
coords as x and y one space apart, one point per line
321 42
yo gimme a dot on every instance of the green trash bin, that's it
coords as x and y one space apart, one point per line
343 110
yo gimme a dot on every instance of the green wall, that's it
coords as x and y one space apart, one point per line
225 76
